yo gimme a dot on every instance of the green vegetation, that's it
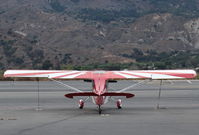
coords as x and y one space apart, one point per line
37 57
105 16
1 12
147 60
165 60
66 59
18 61
144 61
107 66
1 66
9 50
7 42
56 6
75 1
47 65
197 76
7 46
186 8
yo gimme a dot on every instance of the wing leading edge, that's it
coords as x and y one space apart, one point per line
64 74
157 74
108 75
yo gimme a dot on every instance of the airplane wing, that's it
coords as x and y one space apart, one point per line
64 74
108 75
153 74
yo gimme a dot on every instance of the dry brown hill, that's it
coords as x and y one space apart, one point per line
58 32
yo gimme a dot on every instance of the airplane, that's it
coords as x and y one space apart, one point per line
100 79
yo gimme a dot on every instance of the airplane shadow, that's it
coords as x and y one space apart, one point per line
87 111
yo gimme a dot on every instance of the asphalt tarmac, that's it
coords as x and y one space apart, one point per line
20 114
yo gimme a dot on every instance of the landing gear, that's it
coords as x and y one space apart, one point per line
119 104
81 104
99 109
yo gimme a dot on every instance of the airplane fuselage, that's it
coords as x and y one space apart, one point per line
99 87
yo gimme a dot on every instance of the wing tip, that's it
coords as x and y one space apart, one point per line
5 75
194 74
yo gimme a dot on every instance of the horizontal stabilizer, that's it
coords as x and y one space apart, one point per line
71 95
127 95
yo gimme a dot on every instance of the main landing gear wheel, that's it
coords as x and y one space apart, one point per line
119 104
99 109
81 104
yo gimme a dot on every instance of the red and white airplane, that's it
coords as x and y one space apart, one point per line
100 80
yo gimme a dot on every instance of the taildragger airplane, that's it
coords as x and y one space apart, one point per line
100 79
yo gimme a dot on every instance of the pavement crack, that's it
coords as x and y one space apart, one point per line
45 125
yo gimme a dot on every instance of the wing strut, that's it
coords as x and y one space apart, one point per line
63 84
38 96
159 95
129 87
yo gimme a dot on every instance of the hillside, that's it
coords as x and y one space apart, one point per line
43 34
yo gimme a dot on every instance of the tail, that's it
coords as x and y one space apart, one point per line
88 94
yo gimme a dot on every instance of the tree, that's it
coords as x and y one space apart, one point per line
47 65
